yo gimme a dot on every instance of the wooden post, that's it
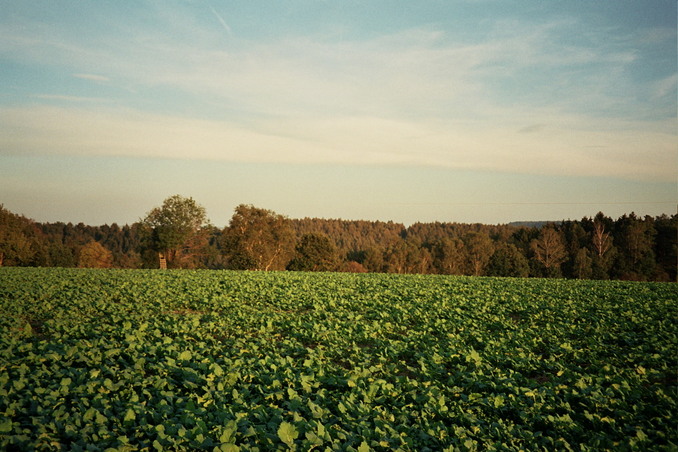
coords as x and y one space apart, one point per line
163 261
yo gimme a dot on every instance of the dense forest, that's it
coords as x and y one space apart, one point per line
179 235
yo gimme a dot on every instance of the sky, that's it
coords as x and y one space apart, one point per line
486 111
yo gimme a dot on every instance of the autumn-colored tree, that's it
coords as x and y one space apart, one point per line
405 256
18 239
479 249
95 255
549 250
15 248
631 247
353 267
258 239
449 256
395 257
374 260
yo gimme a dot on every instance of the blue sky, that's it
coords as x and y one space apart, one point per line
468 111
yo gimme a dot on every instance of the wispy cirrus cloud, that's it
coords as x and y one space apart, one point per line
67 98
92 77
221 21
418 96
351 140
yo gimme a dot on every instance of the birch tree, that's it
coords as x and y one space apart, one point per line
549 250
258 239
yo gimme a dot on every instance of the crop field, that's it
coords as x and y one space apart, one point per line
222 360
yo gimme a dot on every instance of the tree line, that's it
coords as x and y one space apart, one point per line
178 234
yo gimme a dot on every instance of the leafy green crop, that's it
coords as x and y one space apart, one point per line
245 361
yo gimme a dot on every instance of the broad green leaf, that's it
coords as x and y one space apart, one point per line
130 415
640 434
314 439
5 425
228 434
100 418
287 433
364 447
321 431
474 356
185 355
89 414
315 409
216 369
228 448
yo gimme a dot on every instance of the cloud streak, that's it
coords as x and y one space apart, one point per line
66 98
348 140
92 77
221 21
518 102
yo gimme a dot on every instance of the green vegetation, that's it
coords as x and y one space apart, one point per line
224 360
179 235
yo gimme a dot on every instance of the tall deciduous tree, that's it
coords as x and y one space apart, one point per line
602 247
449 256
479 249
549 250
405 256
177 229
600 240
18 239
15 248
95 255
258 239
374 260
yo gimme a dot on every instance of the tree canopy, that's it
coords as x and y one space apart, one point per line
315 252
95 255
175 228
631 247
258 239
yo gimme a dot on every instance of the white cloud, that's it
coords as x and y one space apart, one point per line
414 97
366 140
